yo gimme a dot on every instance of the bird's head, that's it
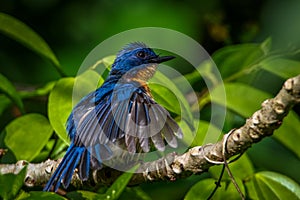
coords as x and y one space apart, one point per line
136 60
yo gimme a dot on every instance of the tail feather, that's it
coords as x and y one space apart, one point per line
69 170
55 179
63 173
84 165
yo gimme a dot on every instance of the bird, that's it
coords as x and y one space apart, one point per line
119 116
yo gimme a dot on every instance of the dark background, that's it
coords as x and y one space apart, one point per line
74 28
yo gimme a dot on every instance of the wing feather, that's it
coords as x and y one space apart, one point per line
132 116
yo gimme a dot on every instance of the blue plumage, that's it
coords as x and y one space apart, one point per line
119 116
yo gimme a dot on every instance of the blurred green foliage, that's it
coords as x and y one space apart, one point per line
255 45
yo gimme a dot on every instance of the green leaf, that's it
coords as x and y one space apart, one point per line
238 60
266 46
58 149
289 134
20 32
81 194
134 193
201 190
271 185
42 91
189 135
242 168
4 103
233 61
10 184
108 61
85 83
235 93
206 133
206 71
228 190
8 89
251 190
167 96
60 106
116 189
31 130
38 195
285 68
285 161
65 94
204 188
241 98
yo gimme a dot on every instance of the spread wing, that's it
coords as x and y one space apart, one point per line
146 122
127 113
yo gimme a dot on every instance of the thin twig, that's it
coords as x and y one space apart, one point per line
218 183
227 167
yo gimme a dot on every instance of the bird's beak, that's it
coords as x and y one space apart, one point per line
160 59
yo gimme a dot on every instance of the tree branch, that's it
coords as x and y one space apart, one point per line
197 160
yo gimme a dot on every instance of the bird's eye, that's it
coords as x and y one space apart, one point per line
141 54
